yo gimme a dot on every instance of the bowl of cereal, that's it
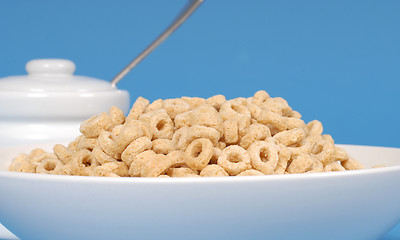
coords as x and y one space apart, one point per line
200 169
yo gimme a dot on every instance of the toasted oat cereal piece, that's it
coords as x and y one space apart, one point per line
182 120
22 164
215 156
216 101
260 98
263 157
155 106
340 154
182 172
291 137
231 131
284 156
84 142
139 161
234 109
101 156
111 169
160 124
180 138
157 166
107 144
333 167
198 154
134 148
163 146
301 164
116 130
324 150
213 170
50 166
81 163
199 131
177 158
117 115
314 128
129 133
95 125
251 172
194 102
62 153
206 115
137 109
352 164
175 107
255 132
234 159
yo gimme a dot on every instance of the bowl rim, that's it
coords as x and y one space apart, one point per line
5 174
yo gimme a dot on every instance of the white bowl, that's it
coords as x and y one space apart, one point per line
362 204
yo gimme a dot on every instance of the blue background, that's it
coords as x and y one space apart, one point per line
336 61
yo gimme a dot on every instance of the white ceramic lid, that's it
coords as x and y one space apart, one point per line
50 90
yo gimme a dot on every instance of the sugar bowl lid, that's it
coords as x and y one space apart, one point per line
50 90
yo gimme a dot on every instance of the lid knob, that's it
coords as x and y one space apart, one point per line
50 66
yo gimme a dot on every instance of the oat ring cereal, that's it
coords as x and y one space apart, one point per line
263 156
194 137
234 159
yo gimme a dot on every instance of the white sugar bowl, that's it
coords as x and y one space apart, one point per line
50 103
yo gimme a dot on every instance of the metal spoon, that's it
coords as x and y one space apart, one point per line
185 13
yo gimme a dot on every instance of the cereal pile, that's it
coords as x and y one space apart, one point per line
194 137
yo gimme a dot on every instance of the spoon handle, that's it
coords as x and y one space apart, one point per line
186 12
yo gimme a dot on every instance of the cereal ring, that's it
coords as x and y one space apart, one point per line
234 159
333 167
134 148
180 138
93 126
101 156
144 126
199 131
129 133
207 116
86 143
156 166
194 102
216 155
155 106
314 128
163 146
111 169
284 156
62 153
199 153
301 164
182 120
221 145
292 123
352 164
251 172
277 105
182 172
274 121
254 110
137 109
50 166
291 137
177 158
216 101
260 98
213 170
175 107
340 154
139 161
255 132
324 150
231 131
106 142
117 115
22 164
161 125
263 156
116 130
233 109
81 163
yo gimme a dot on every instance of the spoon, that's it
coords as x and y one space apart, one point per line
190 7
